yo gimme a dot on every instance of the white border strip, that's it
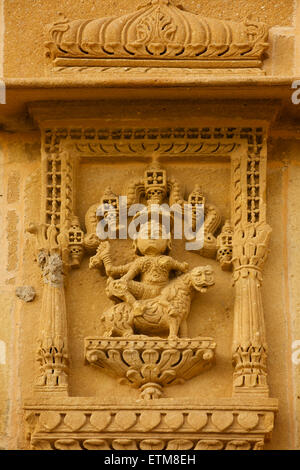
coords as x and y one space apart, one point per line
2 352
2 31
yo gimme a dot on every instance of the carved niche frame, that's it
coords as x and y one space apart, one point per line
55 420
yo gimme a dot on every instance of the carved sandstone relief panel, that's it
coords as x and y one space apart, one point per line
144 338
204 318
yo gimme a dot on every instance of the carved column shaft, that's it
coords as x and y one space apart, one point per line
53 257
52 354
250 249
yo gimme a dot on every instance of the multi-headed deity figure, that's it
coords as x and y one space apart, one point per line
153 293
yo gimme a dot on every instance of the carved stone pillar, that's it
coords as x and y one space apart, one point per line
53 348
55 244
250 249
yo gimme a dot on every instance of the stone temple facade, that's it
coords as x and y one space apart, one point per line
135 343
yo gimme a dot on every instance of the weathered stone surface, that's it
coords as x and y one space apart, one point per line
26 293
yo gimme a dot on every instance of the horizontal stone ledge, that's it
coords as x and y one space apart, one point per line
186 422
152 443
250 402
127 81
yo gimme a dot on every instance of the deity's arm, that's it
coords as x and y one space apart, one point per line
178 266
134 271
116 271
103 256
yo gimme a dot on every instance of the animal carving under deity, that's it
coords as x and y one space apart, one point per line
149 300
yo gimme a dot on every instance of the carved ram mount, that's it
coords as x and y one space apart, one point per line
148 362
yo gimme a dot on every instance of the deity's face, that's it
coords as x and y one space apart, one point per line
152 242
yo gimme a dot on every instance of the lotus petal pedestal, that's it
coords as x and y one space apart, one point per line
151 363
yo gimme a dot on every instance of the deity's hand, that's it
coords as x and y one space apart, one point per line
91 242
125 278
95 262
102 253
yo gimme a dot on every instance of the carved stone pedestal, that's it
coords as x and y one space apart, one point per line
151 363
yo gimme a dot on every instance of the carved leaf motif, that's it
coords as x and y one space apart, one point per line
124 444
152 444
180 444
133 377
150 356
187 364
222 419
150 419
209 444
238 445
113 364
269 422
248 420
49 419
238 381
132 357
259 445
169 357
96 444
41 444
75 420
156 29
100 419
174 420
125 419
167 376
197 419
150 372
67 444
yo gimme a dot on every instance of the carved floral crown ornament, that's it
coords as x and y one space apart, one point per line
158 34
